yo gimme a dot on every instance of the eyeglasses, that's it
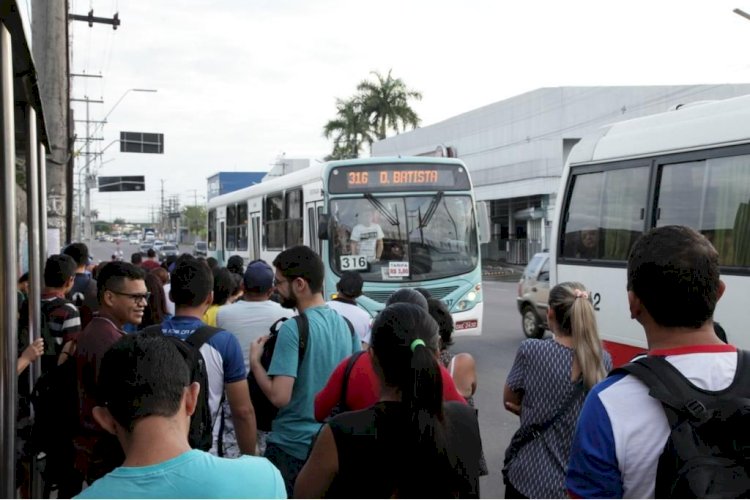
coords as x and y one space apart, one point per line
277 282
137 297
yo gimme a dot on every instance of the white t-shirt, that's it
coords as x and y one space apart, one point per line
169 303
360 319
367 238
249 321
622 430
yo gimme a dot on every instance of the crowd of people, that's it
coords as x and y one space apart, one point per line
161 357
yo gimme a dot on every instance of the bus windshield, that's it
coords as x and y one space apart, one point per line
404 238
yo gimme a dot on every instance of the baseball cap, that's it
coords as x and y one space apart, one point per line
258 277
350 284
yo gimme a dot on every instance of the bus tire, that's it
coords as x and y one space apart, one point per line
532 327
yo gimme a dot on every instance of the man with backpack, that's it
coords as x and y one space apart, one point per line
84 291
290 382
60 320
192 293
658 426
146 399
251 317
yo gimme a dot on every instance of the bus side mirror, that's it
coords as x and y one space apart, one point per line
483 219
323 220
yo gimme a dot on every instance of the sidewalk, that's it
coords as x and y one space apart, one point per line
501 271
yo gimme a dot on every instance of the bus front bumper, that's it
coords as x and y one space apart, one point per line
469 323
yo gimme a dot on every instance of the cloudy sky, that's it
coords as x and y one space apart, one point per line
242 81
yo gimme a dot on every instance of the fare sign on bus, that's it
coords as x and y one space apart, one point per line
398 178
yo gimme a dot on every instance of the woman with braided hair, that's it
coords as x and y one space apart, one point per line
546 387
410 444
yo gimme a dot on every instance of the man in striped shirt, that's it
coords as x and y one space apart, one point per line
60 319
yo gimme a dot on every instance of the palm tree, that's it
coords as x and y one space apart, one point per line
386 104
350 130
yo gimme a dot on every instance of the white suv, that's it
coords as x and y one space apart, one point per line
533 295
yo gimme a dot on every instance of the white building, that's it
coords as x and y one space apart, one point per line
515 149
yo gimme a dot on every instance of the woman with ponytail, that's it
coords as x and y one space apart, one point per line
410 444
546 387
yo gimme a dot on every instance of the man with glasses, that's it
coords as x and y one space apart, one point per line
122 295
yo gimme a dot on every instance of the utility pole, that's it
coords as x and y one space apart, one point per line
87 184
50 50
161 209
115 22
82 231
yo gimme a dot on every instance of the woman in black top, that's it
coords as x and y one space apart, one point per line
409 444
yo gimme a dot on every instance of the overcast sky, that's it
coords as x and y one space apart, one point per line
242 81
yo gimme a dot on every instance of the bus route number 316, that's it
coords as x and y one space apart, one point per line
353 262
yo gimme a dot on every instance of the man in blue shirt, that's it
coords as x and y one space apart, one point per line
192 292
289 384
146 400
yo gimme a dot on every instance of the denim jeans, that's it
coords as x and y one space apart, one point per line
288 465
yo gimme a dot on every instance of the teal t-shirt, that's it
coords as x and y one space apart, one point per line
194 474
329 342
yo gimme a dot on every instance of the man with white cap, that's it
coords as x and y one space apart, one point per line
349 288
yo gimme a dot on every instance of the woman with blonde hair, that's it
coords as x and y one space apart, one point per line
546 387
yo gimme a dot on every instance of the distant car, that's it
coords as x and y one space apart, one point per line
157 244
200 249
167 250
144 248
134 241
533 295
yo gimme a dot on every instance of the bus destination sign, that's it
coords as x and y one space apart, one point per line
414 177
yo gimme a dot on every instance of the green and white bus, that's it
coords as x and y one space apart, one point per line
399 222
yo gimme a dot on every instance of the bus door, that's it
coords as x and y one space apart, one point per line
221 242
254 236
313 209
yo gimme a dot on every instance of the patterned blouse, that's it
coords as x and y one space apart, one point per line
541 371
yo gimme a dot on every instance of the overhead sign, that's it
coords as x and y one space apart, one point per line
141 142
126 183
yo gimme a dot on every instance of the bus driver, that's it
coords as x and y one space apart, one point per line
367 236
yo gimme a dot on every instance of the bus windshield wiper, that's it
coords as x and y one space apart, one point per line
382 209
431 209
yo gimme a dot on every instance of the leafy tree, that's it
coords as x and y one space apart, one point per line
196 217
349 130
102 227
385 102
119 222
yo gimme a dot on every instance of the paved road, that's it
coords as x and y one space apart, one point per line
494 352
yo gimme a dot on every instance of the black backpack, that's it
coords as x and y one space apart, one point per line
707 454
200 435
265 410
56 419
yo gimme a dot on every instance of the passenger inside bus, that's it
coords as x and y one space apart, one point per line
367 236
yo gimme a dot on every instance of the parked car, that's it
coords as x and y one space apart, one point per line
200 249
533 294
168 249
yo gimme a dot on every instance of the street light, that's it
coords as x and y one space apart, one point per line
741 13
87 229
